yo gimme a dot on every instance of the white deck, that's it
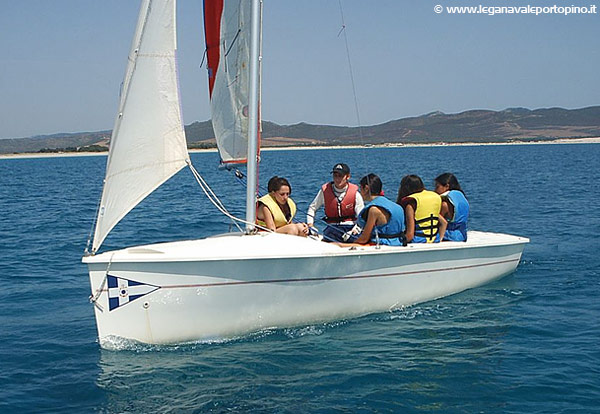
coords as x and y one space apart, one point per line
236 246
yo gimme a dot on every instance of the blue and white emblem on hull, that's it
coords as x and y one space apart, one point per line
122 291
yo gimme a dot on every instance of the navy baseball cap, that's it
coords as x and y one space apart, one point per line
341 168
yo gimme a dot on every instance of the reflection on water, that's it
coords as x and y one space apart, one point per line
418 353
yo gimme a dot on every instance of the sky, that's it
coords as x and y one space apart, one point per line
62 61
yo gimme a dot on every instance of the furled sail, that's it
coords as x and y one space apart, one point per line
227 33
148 143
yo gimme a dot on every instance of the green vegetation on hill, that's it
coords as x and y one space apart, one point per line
87 148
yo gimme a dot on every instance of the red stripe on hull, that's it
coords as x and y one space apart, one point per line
319 279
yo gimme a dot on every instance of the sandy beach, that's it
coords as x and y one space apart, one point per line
592 140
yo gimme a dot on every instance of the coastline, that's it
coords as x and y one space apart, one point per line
591 140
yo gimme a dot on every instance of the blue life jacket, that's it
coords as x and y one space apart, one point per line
457 225
391 233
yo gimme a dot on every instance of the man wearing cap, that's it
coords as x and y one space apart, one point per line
342 202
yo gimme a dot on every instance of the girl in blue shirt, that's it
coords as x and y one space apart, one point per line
455 207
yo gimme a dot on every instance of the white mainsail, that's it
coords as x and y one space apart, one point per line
227 33
148 143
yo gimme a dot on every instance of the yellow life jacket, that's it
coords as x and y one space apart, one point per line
278 216
429 204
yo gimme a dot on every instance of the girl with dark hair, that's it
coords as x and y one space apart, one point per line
422 209
382 220
276 210
455 207
410 184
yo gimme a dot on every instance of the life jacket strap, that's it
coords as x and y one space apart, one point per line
331 220
401 236
432 226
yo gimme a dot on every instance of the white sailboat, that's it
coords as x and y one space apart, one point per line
236 283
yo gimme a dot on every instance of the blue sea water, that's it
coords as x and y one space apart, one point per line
527 343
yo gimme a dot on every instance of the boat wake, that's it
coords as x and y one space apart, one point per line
415 312
117 343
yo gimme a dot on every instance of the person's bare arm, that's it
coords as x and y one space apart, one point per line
375 216
443 224
265 215
409 215
444 211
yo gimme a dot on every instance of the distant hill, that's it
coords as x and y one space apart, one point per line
55 141
513 124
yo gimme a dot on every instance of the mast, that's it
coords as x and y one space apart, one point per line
253 116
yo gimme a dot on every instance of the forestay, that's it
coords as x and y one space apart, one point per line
227 33
148 143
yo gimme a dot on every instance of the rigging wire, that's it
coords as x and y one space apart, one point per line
86 251
214 199
203 58
351 70
343 31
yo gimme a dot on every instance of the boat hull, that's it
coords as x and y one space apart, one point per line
207 289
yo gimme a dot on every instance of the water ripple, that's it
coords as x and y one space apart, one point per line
527 343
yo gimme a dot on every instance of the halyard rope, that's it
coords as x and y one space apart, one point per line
343 31
366 160
86 252
217 202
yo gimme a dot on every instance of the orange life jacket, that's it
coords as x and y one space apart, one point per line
337 211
